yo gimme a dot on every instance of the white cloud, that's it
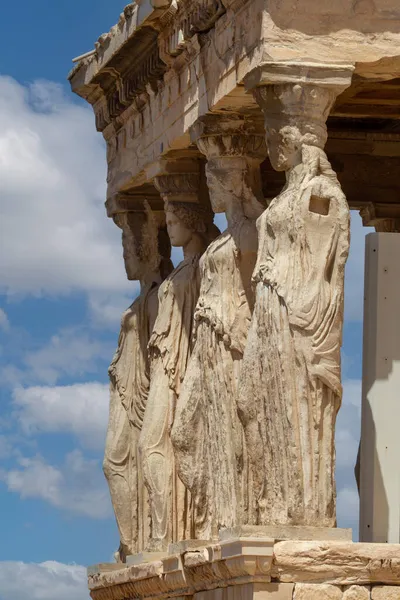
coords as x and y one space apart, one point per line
6 449
46 581
4 322
78 486
107 309
55 235
80 409
69 352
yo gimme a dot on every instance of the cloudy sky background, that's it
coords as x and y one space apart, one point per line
62 292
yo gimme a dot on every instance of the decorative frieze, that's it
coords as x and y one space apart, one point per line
192 17
124 79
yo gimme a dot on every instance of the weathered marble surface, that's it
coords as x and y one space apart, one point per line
385 593
191 57
207 435
241 569
290 390
337 563
226 407
357 592
146 256
190 226
305 591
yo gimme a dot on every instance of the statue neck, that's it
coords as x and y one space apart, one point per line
295 173
148 278
194 247
234 210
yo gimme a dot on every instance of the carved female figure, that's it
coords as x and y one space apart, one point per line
290 389
190 226
207 435
146 255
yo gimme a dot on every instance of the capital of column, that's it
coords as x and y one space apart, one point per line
229 136
182 185
296 99
384 217
231 143
179 179
134 201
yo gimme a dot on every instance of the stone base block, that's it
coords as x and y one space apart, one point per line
287 532
257 568
145 557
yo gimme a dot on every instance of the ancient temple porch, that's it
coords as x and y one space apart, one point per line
169 77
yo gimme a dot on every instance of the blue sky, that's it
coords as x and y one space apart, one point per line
62 292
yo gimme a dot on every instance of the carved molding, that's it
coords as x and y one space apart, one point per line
194 16
179 179
384 217
136 70
197 569
246 561
134 201
336 77
220 135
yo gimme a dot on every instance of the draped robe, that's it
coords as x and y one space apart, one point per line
129 388
170 347
290 389
207 434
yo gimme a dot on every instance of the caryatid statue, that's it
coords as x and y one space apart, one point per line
290 389
190 226
147 259
207 435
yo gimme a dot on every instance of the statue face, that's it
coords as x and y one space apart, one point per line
178 233
282 147
216 191
133 265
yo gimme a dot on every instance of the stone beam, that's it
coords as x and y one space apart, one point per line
164 66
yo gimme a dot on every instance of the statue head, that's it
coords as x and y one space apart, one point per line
146 246
295 116
234 178
188 220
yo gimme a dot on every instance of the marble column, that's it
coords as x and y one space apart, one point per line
146 250
290 390
207 434
189 220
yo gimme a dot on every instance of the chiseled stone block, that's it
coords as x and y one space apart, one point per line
357 592
385 592
250 591
273 591
312 591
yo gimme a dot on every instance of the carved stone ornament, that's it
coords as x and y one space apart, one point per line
207 436
146 255
290 389
190 226
259 567
385 218
192 16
